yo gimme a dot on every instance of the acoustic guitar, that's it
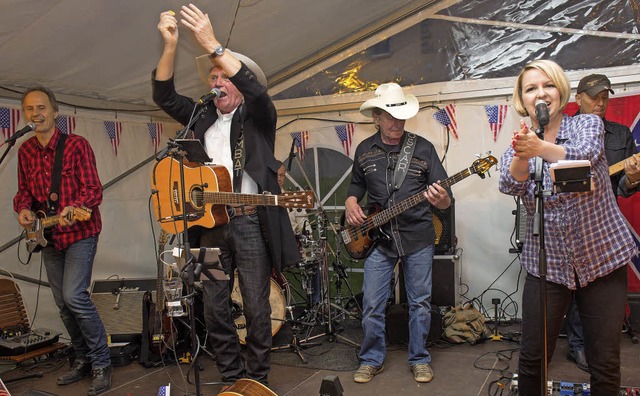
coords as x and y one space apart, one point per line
360 240
207 190
247 387
36 238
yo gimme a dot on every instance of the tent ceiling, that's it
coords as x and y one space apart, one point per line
100 53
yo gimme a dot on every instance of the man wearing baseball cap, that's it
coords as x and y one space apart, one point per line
593 98
389 167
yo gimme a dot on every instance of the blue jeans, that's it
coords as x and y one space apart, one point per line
69 274
378 270
601 305
243 248
575 337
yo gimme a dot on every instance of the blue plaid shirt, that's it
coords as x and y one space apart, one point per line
585 233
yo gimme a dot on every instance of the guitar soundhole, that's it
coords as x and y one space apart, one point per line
197 199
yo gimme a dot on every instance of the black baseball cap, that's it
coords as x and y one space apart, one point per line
593 84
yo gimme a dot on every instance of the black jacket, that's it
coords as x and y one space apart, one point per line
259 118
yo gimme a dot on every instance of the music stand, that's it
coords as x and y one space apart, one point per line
194 150
209 260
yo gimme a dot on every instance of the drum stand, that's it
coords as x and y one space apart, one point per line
296 345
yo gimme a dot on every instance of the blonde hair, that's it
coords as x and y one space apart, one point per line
554 72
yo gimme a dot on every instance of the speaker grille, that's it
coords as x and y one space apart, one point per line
444 225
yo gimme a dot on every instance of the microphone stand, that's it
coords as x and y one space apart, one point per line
538 230
190 274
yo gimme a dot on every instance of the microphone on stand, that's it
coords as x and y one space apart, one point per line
215 93
30 127
542 112
291 154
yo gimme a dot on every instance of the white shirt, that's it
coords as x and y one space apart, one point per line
217 143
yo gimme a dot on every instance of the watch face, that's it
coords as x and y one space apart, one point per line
219 50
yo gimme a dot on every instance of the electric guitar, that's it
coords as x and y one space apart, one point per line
247 387
619 166
36 238
360 240
207 190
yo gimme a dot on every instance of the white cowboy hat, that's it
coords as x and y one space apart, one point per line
204 65
391 98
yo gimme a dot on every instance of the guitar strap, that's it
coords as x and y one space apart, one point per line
239 154
404 159
53 200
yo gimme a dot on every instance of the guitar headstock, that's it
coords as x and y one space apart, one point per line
482 165
297 199
81 213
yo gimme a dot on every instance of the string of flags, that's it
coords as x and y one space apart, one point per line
114 130
155 132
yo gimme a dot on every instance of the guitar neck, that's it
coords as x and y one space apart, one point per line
619 166
49 222
385 215
230 198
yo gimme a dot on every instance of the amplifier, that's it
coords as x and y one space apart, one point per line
119 303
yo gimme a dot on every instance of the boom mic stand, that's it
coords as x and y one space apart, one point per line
191 269
326 291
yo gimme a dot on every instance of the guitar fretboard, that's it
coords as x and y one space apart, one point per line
226 198
385 215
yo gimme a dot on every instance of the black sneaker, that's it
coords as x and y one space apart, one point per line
101 380
78 371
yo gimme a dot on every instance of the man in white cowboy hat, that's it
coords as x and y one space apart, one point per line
389 167
240 120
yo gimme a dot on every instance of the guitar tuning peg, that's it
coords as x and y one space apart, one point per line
477 155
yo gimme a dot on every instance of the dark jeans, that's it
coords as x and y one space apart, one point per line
575 336
243 248
601 305
69 274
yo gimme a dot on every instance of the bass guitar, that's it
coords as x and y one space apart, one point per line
360 240
619 166
207 190
36 238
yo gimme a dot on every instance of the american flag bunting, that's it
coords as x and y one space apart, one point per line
496 115
300 139
66 124
447 117
345 134
114 130
155 132
9 120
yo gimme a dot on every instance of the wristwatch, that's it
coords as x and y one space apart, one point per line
219 50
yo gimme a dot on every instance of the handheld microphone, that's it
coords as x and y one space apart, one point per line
215 93
30 127
542 112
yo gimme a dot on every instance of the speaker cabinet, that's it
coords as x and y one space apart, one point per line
119 303
445 226
444 287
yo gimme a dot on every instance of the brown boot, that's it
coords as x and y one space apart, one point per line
78 371
101 380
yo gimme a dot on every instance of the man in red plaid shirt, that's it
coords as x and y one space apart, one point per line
68 257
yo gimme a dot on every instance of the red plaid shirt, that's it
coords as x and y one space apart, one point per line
79 184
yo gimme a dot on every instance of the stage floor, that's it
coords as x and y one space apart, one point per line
459 370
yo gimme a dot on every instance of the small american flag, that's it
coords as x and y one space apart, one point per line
496 115
66 124
164 390
114 130
300 139
155 131
345 134
447 117
9 120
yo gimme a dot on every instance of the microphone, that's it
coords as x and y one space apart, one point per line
542 112
30 127
291 154
215 93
